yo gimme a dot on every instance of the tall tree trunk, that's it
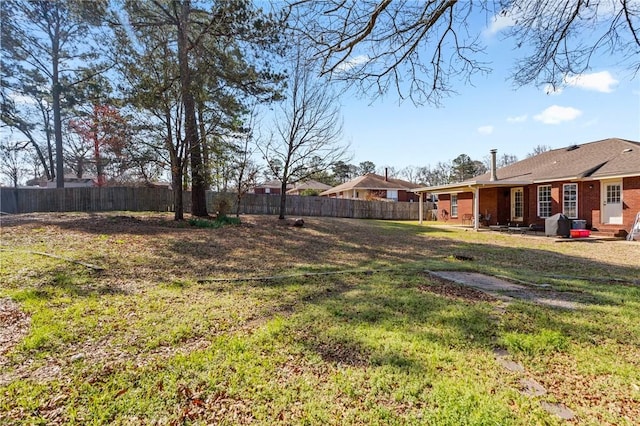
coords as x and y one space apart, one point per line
176 168
206 156
283 199
57 117
198 184
176 186
46 119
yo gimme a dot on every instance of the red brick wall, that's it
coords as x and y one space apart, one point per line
444 203
273 191
589 202
465 204
407 196
497 202
489 204
531 205
631 200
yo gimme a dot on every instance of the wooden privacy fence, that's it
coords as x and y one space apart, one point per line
23 200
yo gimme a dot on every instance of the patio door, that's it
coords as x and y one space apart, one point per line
612 203
517 204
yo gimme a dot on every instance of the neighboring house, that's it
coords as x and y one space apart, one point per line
270 187
373 187
308 186
70 181
598 182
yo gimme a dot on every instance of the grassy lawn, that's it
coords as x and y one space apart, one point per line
178 329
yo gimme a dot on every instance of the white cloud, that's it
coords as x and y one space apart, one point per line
556 114
499 23
485 130
352 63
517 119
599 81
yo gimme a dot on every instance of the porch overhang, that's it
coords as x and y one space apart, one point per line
469 186
473 186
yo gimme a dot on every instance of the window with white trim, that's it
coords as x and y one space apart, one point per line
392 194
570 200
544 201
454 205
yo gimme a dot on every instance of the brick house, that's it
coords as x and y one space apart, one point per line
374 187
273 187
310 185
598 182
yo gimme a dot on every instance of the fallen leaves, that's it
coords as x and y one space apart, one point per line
14 325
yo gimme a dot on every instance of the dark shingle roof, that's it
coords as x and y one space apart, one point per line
372 181
601 159
310 184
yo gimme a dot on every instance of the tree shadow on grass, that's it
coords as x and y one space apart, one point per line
337 318
61 280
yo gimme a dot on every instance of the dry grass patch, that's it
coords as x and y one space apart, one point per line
144 341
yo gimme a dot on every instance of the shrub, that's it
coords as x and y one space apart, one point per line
218 222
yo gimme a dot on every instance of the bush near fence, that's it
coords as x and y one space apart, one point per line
27 200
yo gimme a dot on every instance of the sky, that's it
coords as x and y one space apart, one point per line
493 113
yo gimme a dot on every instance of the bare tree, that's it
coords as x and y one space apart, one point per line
381 45
246 170
307 129
555 31
502 161
538 150
417 47
389 171
410 173
12 161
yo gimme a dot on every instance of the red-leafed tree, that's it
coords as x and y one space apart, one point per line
105 130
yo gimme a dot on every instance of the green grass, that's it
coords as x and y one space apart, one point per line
361 348
218 222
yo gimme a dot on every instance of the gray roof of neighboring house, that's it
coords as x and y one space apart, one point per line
607 158
310 184
274 183
372 181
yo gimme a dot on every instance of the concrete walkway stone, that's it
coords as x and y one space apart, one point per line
558 409
532 388
508 291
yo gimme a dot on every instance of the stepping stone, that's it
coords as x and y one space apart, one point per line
505 290
532 388
559 410
510 365
500 352
501 358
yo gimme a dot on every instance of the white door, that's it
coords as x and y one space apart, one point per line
517 204
612 203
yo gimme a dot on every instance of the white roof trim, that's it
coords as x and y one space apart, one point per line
467 186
